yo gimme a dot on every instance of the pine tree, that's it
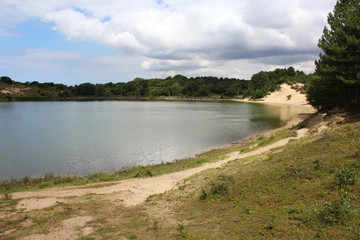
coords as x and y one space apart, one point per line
337 76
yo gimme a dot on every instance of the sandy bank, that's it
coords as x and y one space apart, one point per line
281 97
299 108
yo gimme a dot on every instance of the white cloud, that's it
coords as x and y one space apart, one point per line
39 58
186 36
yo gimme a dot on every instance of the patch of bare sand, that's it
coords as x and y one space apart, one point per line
35 203
298 106
68 229
14 91
281 96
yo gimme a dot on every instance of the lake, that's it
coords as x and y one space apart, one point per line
82 137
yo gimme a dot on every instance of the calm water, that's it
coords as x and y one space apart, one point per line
82 137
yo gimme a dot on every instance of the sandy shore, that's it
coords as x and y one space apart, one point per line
299 109
135 191
281 97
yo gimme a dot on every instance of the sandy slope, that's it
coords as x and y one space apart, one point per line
281 97
135 191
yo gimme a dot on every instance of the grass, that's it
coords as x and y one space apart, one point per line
292 194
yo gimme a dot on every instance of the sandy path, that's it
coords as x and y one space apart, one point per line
133 191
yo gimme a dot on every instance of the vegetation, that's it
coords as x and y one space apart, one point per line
171 87
337 79
291 193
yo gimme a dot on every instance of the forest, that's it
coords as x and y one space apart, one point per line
180 86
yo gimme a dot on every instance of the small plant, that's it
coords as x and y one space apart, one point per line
7 196
222 185
357 154
26 180
203 195
246 210
180 227
293 210
289 97
345 177
143 172
295 171
132 236
270 225
336 212
155 225
317 164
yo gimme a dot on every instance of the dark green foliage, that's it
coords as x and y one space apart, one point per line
337 80
6 79
203 195
345 177
264 82
336 212
180 228
142 172
85 89
221 186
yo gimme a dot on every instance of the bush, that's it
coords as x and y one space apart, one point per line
345 176
336 212
6 79
222 185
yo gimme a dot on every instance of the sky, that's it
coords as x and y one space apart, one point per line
100 41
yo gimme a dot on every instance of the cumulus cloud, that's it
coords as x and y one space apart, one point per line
186 35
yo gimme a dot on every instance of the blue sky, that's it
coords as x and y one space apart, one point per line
96 41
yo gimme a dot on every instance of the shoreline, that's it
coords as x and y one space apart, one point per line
287 96
301 112
136 185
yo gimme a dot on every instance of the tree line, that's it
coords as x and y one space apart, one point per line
176 86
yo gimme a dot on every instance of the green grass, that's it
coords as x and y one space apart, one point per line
292 194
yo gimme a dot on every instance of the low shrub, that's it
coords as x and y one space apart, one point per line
336 212
222 185
345 177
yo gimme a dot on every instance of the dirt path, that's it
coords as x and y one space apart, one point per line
132 191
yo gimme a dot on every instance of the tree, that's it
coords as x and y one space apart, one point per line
85 89
6 79
337 81
291 72
260 79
